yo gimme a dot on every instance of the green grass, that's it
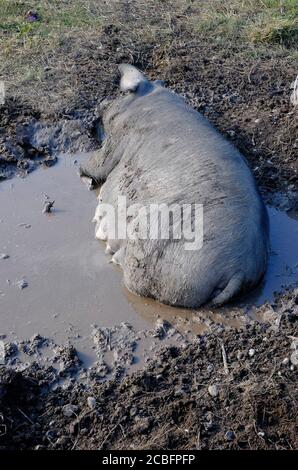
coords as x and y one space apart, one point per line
53 14
36 59
26 46
256 21
56 19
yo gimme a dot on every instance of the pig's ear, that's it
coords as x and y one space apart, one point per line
132 79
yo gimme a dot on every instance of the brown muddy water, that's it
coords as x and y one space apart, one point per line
70 283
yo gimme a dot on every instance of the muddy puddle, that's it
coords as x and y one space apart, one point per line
55 278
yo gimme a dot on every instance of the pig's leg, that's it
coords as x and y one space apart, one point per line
231 289
101 163
119 256
93 168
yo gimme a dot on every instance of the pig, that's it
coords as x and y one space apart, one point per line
157 149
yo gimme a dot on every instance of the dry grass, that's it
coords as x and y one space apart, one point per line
28 49
271 21
37 59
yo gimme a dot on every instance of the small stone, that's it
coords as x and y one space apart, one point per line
84 431
47 208
62 441
22 284
294 358
32 16
69 410
51 434
251 352
142 424
286 361
4 256
239 355
91 402
210 368
230 436
213 390
261 434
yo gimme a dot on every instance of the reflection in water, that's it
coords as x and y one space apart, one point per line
283 262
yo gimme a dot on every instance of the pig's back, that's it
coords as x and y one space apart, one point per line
180 158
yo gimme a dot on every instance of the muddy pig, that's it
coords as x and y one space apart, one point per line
159 151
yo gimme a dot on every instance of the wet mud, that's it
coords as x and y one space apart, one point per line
56 279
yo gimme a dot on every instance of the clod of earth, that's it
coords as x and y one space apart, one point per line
22 284
48 205
32 16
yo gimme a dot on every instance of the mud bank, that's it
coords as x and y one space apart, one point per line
228 389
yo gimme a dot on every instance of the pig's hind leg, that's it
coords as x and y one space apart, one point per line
229 291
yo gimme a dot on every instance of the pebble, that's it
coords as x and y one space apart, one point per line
47 208
69 410
32 16
251 352
286 361
22 284
62 441
24 225
230 436
294 358
91 402
239 355
4 256
213 390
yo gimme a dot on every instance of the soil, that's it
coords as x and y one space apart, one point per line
229 389
187 396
